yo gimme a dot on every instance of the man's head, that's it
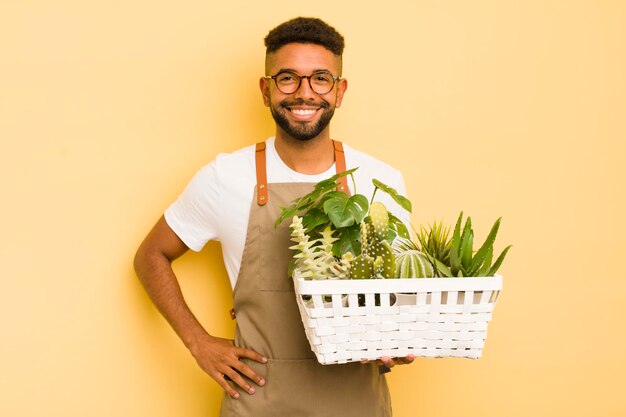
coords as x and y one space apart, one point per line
305 52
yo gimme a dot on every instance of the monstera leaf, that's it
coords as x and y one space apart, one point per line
402 201
344 211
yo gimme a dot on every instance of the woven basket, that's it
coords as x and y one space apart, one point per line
354 320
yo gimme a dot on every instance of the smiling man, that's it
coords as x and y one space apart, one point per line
269 369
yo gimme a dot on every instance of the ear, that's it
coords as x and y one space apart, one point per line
342 86
265 90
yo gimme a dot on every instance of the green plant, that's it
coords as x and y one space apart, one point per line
464 262
413 264
435 241
358 227
326 206
376 259
314 258
432 243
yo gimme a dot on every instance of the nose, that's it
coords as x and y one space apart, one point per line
305 91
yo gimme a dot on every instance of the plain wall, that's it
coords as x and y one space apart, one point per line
497 108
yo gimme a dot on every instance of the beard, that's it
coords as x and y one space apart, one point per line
302 131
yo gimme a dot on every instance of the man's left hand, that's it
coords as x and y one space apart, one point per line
391 362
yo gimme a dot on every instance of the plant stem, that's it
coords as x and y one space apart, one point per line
373 194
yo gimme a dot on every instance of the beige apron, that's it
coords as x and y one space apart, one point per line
268 321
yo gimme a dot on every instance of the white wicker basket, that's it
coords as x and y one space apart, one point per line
353 320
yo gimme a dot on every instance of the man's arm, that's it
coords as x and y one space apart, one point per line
216 356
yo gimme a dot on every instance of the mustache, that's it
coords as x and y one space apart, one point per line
323 104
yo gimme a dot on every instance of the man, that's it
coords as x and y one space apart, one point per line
269 369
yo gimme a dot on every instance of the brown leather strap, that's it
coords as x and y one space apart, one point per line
261 174
261 171
340 165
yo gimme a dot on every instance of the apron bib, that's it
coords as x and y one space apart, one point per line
268 321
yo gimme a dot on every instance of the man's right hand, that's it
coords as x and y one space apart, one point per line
220 358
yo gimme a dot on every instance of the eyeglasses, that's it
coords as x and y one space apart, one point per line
288 82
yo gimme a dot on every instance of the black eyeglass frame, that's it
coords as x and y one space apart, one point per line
300 77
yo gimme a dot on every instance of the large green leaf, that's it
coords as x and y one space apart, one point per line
331 182
314 199
358 205
391 235
344 211
402 201
349 241
314 218
398 226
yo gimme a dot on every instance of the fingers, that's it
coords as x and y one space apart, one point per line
391 362
244 369
388 362
221 359
251 354
240 376
221 380
408 359
240 382
237 375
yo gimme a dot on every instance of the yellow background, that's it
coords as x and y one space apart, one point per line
498 108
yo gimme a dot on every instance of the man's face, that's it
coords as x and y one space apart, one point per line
303 114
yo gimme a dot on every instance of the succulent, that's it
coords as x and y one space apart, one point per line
413 264
463 261
449 257
314 258
435 241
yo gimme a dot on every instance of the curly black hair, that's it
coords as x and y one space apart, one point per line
305 30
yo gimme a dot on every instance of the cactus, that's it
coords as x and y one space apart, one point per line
383 250
380 220
362 267
379 266
376 259
413 264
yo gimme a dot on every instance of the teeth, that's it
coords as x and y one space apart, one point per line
302 112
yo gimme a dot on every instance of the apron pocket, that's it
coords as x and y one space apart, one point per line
274 261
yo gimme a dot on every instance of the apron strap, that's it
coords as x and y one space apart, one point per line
261 171
340 164
261 174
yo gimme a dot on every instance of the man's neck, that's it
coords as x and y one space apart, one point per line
309 157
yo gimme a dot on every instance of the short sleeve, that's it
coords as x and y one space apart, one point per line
194 216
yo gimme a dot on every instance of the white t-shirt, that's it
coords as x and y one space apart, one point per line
215 205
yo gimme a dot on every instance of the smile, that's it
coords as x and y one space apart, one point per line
303 112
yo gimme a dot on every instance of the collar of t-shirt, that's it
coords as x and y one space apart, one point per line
278 171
